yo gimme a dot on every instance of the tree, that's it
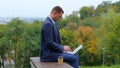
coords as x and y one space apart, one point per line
73 17
61 23
85 35
86 12
117 6
24 39
66 36
13 34
103 7
71 26
111 40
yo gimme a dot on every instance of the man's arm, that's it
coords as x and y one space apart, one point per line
48 33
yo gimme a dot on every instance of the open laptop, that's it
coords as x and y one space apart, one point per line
76 50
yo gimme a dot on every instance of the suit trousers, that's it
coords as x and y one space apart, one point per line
71 59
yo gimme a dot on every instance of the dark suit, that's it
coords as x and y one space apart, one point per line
50 41
51 47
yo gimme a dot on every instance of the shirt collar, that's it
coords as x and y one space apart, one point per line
52 20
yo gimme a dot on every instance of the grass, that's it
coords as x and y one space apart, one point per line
114 66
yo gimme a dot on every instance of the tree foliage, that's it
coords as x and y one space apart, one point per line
23 38
86 12
112 37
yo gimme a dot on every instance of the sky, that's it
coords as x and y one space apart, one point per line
42 8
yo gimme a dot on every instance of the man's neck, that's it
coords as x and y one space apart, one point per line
52 19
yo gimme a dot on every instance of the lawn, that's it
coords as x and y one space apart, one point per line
114 66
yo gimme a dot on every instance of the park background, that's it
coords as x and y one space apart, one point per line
97 29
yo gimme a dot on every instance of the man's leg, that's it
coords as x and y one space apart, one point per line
71 59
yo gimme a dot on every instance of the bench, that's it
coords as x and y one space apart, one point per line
35 63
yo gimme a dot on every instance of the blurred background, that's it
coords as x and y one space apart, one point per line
93 23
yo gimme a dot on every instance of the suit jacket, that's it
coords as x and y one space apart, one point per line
50 47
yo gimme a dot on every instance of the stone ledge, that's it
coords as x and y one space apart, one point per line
35 63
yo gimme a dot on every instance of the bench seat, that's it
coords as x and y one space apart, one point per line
35 63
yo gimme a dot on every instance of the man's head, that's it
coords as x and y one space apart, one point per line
56 13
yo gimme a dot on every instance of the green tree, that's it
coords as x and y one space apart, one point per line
66 36
24 39
117 4
103 7
86 12
13 34
61 23
111 40
73 17
30 42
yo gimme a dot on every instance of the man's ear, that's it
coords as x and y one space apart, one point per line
54 12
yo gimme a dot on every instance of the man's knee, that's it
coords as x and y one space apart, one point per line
75 58
70 57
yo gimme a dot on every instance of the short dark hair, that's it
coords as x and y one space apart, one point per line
58 9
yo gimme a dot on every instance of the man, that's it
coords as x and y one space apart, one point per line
51 46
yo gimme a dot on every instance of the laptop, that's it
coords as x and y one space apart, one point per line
76 50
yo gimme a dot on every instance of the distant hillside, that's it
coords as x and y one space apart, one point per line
4 20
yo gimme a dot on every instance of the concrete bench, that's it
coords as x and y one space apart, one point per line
35 63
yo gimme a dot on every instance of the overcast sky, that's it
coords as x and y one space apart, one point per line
42 8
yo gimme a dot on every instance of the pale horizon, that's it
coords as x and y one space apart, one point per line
42 8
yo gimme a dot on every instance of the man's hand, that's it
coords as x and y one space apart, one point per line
67 48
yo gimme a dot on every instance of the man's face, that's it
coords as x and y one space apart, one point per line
58 16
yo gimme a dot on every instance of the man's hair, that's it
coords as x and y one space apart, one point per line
58 9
